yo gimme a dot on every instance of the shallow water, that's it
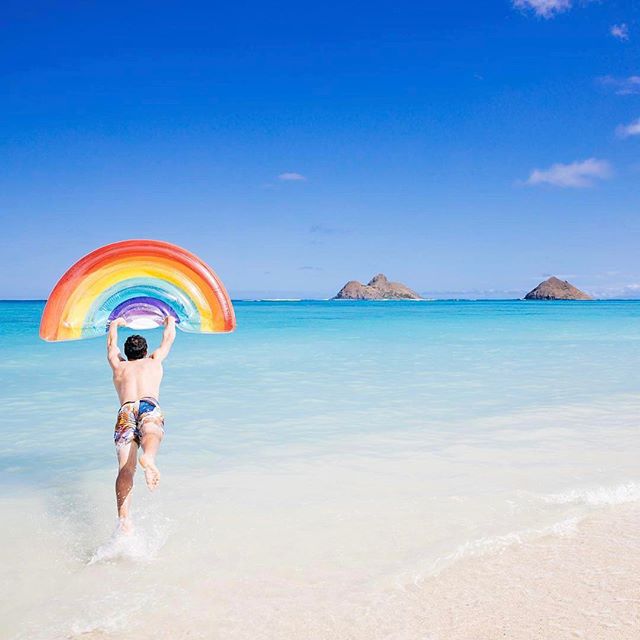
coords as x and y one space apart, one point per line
319 463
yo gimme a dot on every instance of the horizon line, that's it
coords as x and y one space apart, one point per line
342 300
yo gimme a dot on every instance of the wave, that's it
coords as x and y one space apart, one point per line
598 496
494 544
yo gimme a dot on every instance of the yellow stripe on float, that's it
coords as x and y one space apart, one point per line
74 315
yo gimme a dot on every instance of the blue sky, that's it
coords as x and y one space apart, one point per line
459 147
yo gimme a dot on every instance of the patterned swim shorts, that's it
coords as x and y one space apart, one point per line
134 418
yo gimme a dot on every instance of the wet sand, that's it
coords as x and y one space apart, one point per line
584 584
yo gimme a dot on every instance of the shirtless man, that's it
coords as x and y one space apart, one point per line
140 421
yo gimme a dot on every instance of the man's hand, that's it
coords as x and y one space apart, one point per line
118 322
169 319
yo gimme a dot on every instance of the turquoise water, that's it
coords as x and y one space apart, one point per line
313 371
346 445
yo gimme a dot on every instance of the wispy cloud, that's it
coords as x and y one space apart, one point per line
620 31
628 130
561 276
322 229
310 268
291 176
544 8
573 175
622 86
630 290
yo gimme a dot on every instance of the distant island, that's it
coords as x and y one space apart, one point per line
556 289
378 288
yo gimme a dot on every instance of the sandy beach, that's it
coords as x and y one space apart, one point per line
582 584
582 581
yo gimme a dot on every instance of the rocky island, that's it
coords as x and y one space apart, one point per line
556 289
378 288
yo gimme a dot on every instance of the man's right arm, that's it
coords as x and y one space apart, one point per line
168 336
113 352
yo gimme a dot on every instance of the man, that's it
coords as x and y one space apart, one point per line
140 421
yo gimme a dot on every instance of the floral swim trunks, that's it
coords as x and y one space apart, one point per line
134 417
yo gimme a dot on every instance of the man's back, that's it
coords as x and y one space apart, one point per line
137 379
138 376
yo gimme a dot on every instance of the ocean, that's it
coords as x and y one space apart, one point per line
332 469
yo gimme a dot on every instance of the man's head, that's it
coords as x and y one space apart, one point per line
135 348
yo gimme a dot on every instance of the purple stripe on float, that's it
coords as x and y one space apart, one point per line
143 307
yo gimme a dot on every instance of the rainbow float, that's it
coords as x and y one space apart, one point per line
142 281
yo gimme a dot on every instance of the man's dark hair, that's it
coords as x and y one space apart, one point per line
135 348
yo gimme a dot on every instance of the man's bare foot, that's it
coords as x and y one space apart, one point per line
125 526
151 473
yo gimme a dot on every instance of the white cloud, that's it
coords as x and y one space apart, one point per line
576 174
620 291
627 130
622 86
544 8
291 176
561 276
620 31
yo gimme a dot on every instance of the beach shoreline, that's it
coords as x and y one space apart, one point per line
579 582
584 583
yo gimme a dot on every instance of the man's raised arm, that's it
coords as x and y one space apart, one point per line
113 352
168 337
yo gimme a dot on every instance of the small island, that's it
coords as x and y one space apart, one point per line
556 289
378 288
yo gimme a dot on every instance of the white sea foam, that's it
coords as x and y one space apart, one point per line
595 497
598 496
488 545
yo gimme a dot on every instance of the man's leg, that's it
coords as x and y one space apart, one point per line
127 459
150 441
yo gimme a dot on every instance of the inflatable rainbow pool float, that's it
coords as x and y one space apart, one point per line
141 281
